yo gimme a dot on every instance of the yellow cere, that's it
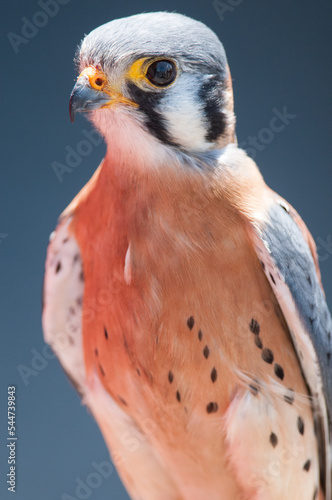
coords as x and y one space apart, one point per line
97 78
98 81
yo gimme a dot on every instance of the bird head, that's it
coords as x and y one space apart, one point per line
161 78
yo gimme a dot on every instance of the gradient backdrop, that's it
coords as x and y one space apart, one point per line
280 55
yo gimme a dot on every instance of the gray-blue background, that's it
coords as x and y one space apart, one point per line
280 55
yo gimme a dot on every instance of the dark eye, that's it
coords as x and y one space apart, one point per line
161 73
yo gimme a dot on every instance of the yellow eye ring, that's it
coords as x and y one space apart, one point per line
152 71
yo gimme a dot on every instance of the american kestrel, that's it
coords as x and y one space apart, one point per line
183 296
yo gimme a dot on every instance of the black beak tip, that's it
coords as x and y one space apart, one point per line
83 98
72 111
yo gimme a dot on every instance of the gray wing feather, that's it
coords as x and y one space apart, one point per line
290 269
293 258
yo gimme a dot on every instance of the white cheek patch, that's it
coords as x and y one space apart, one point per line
129 141
184 114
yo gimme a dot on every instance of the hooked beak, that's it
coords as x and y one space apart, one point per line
85 98
92 91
